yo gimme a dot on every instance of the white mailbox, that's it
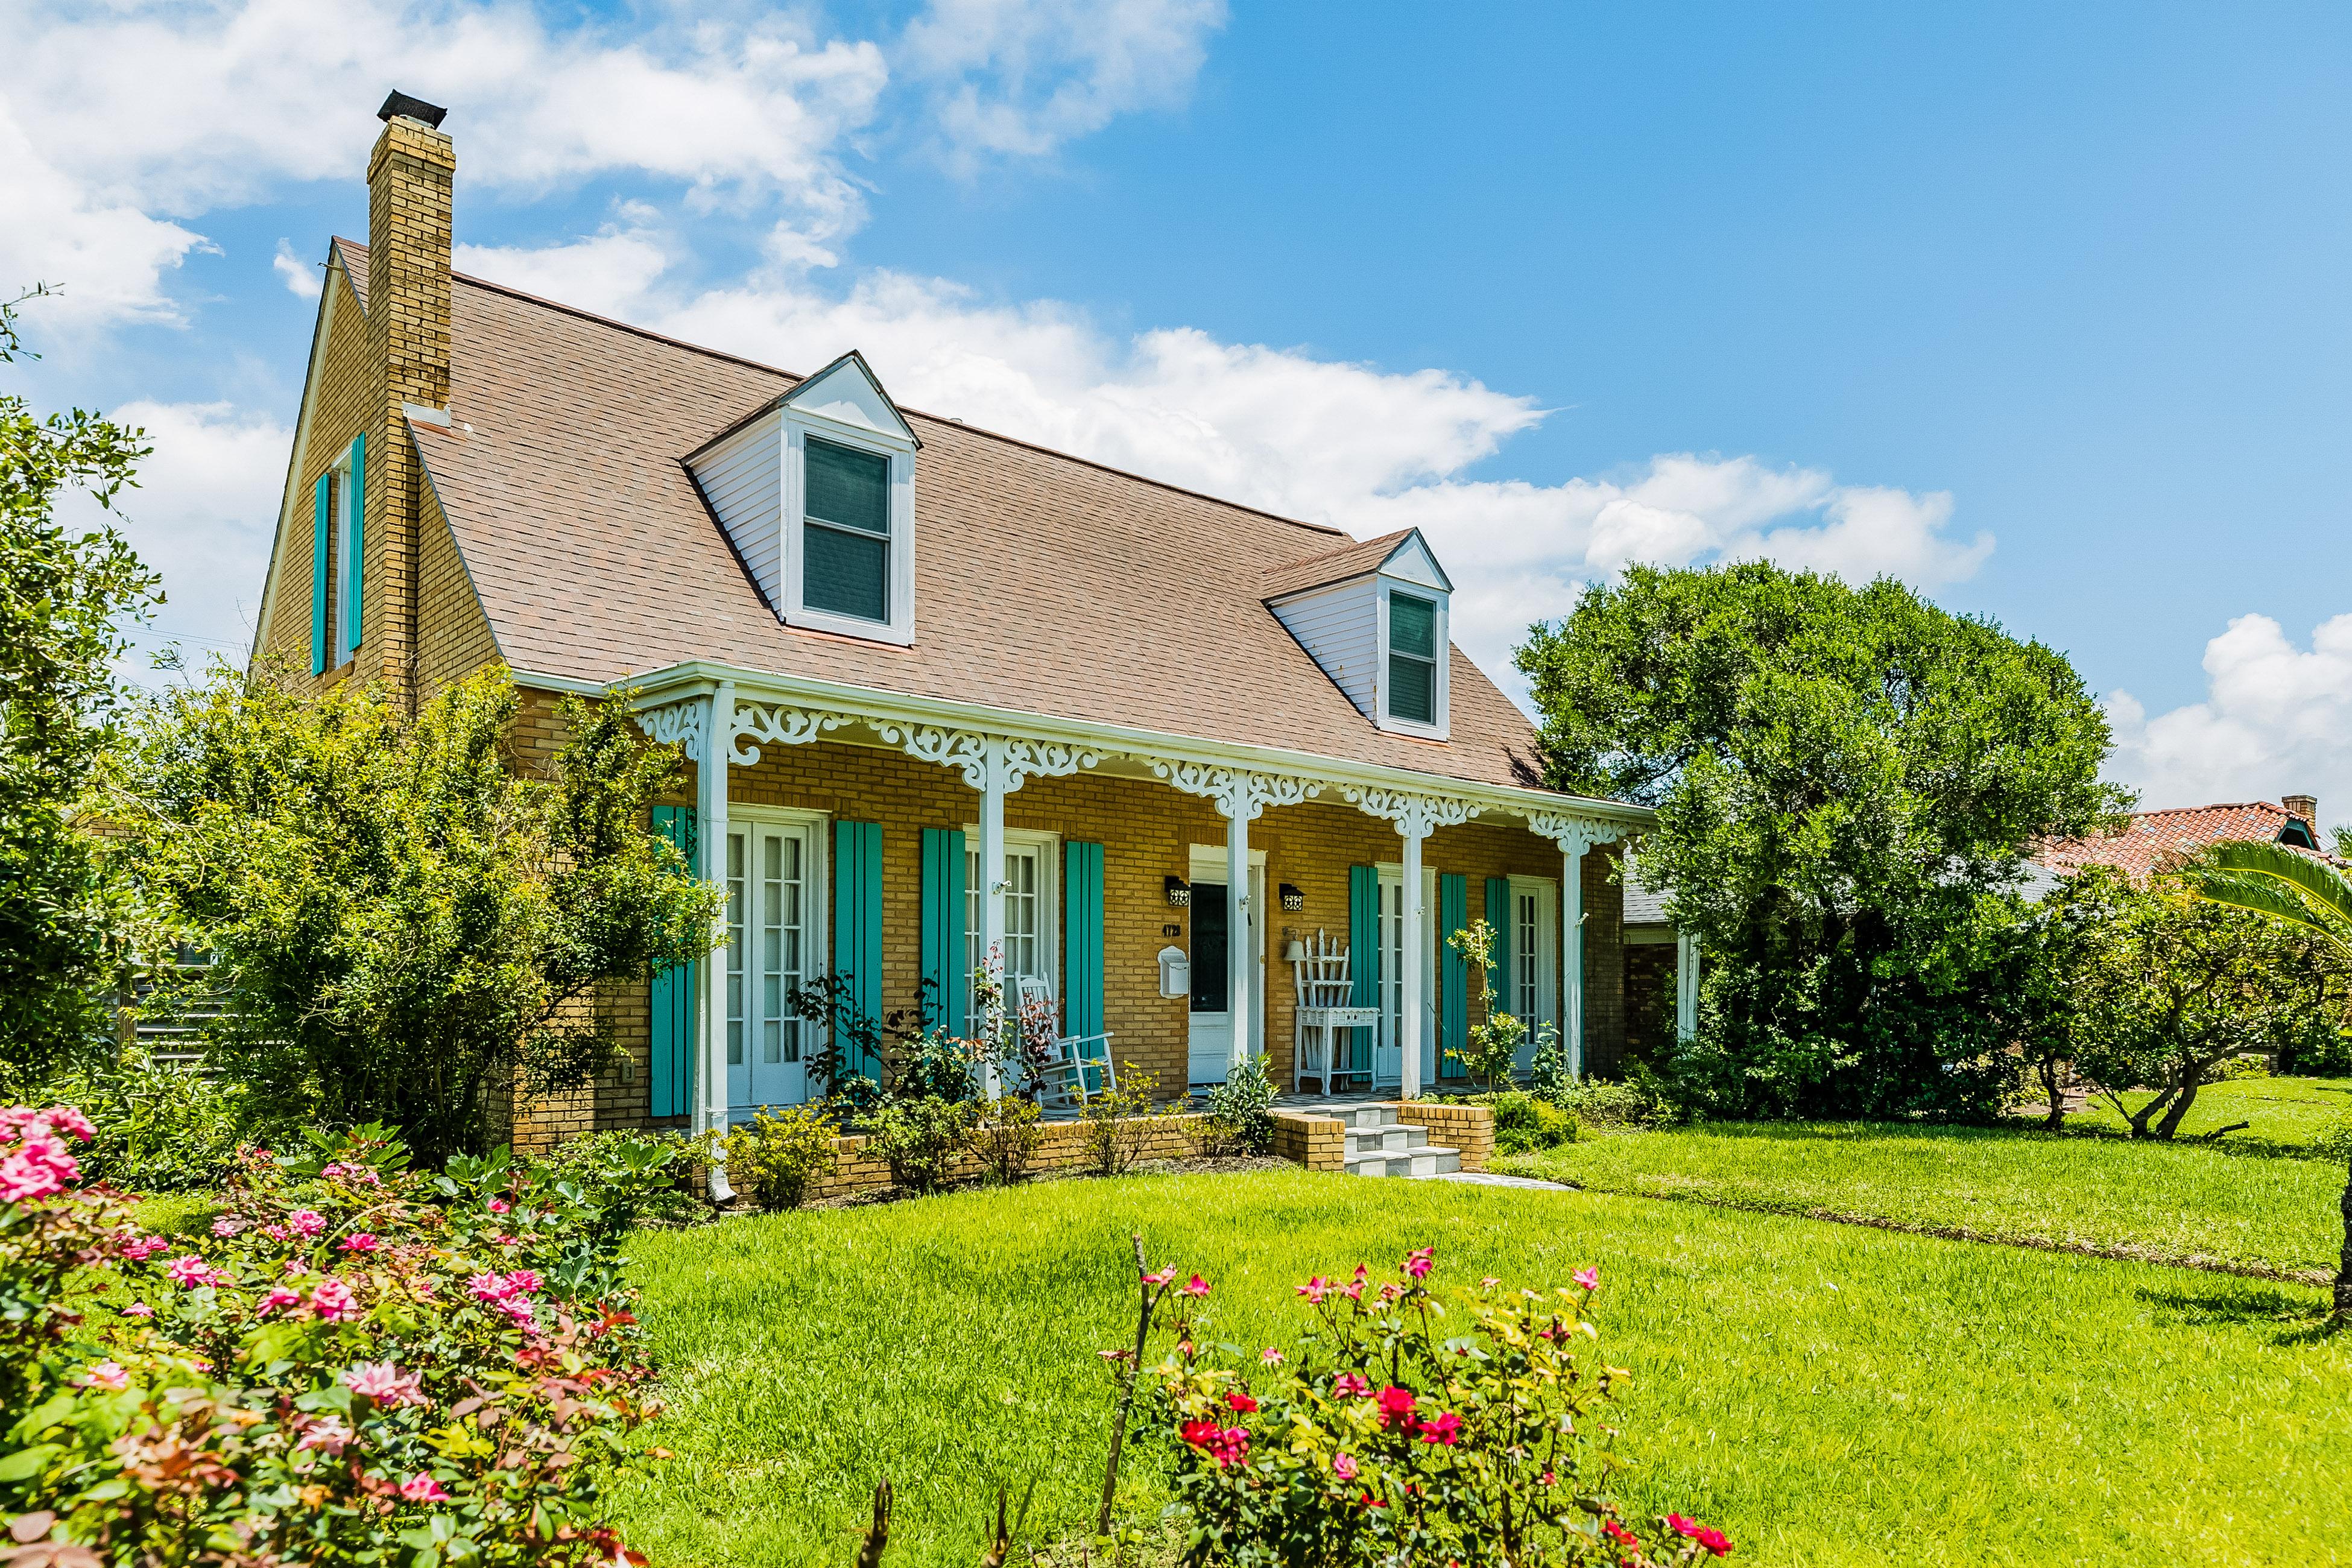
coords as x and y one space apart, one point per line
1175 973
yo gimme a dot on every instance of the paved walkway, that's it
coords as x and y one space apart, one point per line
1496 1179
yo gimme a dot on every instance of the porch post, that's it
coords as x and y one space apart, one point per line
992 790
1685 985
1410 966
711 792
1572 954
1239 969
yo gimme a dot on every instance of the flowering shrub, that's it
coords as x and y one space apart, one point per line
359 1364
1382 1437
776 1156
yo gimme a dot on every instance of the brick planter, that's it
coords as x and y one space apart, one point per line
1468 1127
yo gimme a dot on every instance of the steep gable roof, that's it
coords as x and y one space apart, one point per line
1044 583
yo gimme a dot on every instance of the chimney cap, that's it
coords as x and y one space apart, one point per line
400 103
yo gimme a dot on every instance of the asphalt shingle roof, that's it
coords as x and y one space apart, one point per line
1044 583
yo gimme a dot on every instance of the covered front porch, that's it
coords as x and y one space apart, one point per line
1151 888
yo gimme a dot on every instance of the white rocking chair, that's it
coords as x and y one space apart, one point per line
1077 1067
1326 994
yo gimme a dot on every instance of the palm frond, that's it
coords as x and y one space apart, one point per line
2314 880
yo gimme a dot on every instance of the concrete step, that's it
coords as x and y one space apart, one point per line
1351 1113
1422 1162
1394 1136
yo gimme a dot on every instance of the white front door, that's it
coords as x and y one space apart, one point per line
775 909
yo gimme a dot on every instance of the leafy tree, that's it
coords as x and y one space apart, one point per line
402 920
1847 781
2314 900
63 594
2176 984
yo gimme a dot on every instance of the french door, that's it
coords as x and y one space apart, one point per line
774 943
1535 948
1030 861
1388 1048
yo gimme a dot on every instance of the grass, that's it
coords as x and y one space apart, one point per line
2284 1114
1828 1394
2257 1209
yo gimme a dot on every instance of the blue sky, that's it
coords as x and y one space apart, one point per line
2046 314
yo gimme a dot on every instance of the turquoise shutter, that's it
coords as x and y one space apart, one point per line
1364 959
857 923
1453 974
1505 920
947 988
355 507
1082 949
675 991
323 528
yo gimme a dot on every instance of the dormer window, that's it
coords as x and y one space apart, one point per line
1413 658
1374 616
846 530
816 491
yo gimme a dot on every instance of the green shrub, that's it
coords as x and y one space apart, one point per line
1549 1079
921 1139
1401 1429
1523 1122
359 1364
1004 1139
1241 1113
777 1154
1638 1102
1118 1119
157 1128
625 1177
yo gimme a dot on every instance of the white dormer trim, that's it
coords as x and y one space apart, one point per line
755 477
1386 587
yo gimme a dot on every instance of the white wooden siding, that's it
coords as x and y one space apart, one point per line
743 477
1339 628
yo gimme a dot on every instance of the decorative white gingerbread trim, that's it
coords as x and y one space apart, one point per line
1236 792
1412 815
776 724
1575 835
681 724
1011 761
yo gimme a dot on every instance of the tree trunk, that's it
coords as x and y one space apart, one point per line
2344 1262
2172 1122
2054 1084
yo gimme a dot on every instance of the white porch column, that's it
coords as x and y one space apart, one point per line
710 814
1685 985
993 786
1239 967
1571 955
1413 831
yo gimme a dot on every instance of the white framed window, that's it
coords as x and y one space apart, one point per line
1033 865
1411 670
775 942
1530 989
848 511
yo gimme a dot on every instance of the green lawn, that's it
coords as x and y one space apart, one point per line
2282 1112
2256 1208
1828 1395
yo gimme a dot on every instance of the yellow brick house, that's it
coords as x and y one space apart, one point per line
944 693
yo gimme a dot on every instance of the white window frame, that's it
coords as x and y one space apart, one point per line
1544 958
817 908
1442 645
1049 847
797 426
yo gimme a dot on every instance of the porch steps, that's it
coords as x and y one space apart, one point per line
1379 1144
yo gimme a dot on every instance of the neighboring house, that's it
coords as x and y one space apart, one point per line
2152 840
944 693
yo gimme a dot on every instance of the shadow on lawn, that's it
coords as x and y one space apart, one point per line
2222 1299
2240 1145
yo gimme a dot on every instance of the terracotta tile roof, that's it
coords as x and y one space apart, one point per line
1044 583
2155 839
1330 565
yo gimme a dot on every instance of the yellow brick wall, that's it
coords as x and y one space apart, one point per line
341 406
1469 1130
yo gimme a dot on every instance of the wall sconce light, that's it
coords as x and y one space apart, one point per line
1292 899
1179 893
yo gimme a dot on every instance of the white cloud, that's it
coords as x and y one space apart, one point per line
608 273
119 118
2276 720
203 515
302 281
1022 78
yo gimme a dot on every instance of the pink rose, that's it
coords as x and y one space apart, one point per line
106 1375
384 1382
306 1221
1343 1466
498 1205
333 1300
139 1310
1196 1286
1417 1262
422 1487
329 1436
193 1272
1587 1278
278 1300
358 1241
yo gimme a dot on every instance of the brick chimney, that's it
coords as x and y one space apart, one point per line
409 181
2305 807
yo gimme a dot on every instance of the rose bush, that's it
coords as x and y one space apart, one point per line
359 1364
1385 1433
